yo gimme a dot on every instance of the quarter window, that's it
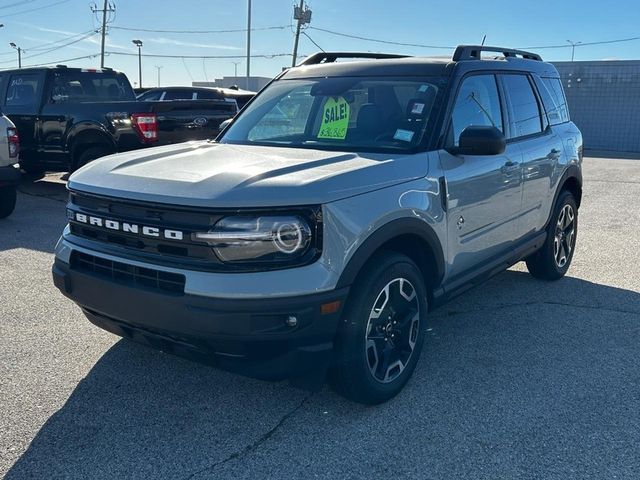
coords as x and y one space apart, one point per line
557 109
522 104
477 104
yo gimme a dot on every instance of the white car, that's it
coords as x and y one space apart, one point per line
9 172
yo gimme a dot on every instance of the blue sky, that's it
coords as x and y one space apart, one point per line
515 23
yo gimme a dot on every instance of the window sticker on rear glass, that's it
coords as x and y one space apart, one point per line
404 135
423 88
335 119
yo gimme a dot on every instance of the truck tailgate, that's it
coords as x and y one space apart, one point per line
184 120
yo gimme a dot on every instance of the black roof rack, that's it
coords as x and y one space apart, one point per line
474 52
330 57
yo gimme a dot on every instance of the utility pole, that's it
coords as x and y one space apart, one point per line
573 48
158 67
303 15
19 53
107 10
138 43
248 43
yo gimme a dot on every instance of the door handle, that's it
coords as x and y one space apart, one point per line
509 167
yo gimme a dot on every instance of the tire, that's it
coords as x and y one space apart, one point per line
552 261
365 341
7 201
32 168
90 154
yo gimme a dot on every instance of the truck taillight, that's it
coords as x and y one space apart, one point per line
13 141
146 124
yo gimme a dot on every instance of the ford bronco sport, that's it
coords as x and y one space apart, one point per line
345 201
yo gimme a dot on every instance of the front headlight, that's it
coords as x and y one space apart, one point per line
259 239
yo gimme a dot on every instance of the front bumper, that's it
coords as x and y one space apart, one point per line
9 176
248 336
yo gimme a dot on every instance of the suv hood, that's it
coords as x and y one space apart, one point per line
206 174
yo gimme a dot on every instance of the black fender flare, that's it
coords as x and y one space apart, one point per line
93 132
389 231
573 171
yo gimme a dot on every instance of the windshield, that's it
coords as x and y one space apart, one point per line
354 113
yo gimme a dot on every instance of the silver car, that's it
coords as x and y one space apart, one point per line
345 202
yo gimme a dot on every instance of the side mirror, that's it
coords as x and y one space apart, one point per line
480 140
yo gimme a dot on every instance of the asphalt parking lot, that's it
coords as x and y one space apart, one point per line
518 379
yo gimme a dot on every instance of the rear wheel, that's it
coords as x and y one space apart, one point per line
552 261
7 201
382 331
32 168
90 154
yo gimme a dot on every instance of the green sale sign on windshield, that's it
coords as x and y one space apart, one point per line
335 119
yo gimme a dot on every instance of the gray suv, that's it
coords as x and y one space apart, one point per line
345 202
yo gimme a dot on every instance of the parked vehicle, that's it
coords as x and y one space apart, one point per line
196 93
9 172
321 243
67 117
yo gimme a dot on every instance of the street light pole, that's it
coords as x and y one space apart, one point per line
248 43
158 68
235 69
138 43
19 53
573 48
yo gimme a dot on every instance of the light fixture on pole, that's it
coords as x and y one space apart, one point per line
573 48
13 45
138 43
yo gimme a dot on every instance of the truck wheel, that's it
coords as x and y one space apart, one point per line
552 261
7 201
32 168
91 154
381 334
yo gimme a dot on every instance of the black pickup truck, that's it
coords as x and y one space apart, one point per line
67 117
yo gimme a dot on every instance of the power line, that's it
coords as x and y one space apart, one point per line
237 30
36 9
16 4
46 46
447 47
357 37
57 47
154 55
57 62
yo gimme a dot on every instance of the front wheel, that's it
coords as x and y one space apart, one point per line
552 261
7 201
381 334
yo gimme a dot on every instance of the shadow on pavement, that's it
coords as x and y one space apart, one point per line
39 217
506 362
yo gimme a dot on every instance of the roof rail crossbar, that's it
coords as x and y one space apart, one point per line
474 52
329 57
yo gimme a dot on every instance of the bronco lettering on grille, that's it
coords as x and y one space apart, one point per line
129 227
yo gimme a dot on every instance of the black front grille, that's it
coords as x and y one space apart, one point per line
162 249
128 274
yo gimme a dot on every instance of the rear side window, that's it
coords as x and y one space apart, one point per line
477 104
209 95
522 104
179 94
151 96
554 100
22 90
76 87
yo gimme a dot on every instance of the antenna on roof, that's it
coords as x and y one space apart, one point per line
483 39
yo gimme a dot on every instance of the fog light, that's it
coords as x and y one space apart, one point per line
291 321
